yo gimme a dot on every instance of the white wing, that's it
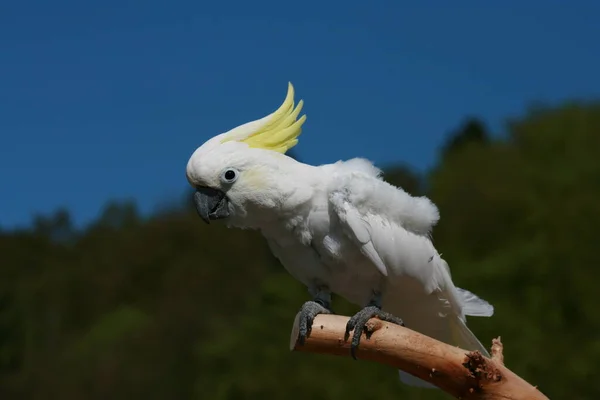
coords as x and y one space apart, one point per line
360 184
392 230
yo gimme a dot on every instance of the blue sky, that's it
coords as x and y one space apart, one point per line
107 100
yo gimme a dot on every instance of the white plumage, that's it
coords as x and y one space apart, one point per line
340 228
357 234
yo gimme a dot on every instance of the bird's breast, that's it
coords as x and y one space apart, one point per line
314 252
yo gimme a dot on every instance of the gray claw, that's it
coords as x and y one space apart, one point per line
358 321
308 312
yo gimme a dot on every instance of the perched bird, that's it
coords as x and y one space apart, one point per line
337 228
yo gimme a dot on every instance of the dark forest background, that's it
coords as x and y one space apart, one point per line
169 308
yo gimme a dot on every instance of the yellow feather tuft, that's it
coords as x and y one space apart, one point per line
280 133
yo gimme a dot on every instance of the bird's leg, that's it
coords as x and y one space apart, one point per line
359 320
309 310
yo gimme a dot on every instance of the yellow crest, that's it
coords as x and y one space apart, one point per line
280 130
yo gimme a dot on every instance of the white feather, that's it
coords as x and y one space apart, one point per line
474 305
342 227
419 286
359 181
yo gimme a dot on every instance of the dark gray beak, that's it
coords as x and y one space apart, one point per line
211 204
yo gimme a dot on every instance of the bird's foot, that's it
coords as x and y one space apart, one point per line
308 312
359 320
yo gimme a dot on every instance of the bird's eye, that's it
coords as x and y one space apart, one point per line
230 175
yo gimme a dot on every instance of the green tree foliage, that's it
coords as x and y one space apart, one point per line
472 132
170 308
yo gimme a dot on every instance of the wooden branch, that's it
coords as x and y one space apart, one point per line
461 373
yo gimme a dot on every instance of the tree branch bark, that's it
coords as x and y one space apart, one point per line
461 373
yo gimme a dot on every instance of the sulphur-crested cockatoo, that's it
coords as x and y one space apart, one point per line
337 228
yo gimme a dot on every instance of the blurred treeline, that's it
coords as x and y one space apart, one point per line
170 308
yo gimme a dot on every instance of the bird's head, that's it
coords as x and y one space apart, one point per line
243 172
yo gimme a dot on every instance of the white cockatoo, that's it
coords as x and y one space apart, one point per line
337 228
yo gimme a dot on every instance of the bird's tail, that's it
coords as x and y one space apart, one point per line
458 334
